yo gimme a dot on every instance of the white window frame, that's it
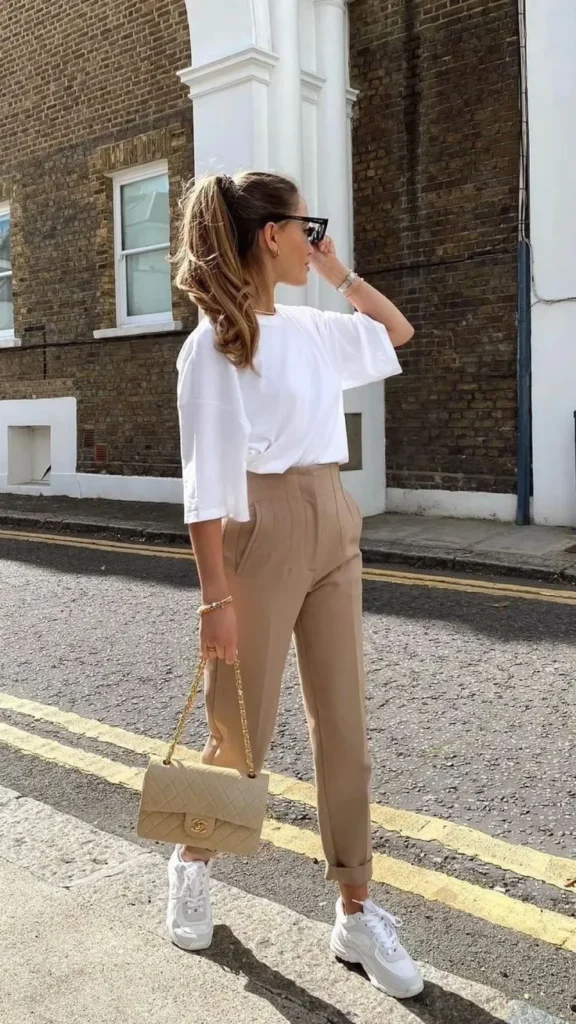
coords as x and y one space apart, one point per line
119 179
7 335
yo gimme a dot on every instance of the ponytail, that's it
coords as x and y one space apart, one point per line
221 218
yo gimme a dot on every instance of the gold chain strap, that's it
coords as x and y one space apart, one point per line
196 684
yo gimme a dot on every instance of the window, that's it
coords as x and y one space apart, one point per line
142 245
6 304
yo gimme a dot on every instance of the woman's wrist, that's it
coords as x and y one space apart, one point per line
213 592
349 283
214 606
335 272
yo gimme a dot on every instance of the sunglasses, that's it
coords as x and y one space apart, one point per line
317 226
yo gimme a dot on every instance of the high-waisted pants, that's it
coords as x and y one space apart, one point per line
295 568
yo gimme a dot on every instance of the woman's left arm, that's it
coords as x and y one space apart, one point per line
363 296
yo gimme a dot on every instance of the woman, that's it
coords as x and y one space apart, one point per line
276 537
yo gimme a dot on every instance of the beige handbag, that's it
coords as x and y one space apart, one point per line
200 805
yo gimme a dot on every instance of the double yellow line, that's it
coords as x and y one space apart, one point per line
494 907
412 579
472 586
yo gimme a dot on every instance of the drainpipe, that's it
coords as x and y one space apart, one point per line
524 362
524 386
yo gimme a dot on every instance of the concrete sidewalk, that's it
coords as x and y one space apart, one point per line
461 545
82 938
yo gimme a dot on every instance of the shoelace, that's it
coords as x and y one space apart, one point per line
193 891
383 925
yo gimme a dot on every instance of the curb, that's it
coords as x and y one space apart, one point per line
544 570
94 528
469 561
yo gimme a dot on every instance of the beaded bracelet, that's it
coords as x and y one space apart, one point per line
214 607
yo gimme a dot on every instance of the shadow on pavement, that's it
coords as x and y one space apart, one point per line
296 1005
436 1005
498 616
504 618
292 1002
67 559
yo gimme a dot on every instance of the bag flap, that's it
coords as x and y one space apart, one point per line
205 792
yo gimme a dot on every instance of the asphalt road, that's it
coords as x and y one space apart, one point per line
471 719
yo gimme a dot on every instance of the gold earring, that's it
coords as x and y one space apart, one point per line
275 254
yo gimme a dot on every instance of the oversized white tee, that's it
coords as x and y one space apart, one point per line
289 413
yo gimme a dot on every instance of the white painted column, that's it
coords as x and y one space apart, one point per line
311 89
333 145
307 36
285 104
229 80
219 28
367 485
551 66
285 109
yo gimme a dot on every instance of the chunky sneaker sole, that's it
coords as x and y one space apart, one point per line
349 957
189 945
370 938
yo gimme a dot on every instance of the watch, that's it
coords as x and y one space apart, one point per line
349 281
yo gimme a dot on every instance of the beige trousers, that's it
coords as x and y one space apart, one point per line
296 568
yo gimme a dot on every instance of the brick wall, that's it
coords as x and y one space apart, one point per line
436 184
125 391
87 90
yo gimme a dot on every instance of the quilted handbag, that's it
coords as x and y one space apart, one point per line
200 805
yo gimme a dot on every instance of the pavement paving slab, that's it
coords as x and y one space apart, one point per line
92 944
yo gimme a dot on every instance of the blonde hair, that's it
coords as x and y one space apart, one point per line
217 255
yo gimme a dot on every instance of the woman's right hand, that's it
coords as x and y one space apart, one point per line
219 634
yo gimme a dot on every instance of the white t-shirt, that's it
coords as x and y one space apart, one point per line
289 413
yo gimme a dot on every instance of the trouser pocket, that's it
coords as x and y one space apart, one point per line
240 541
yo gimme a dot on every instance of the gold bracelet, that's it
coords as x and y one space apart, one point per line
205 608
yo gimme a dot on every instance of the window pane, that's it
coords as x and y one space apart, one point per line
5 242
6 307
145 214
148 283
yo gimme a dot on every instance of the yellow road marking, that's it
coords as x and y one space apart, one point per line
490 585
72 757
116 547
521 860
413 579
526 594
496 908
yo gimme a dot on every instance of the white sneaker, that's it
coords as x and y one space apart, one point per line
189 917
371 939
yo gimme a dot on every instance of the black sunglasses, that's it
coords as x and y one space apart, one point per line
317 226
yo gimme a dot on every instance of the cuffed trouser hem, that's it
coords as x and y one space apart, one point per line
200 852
350 876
